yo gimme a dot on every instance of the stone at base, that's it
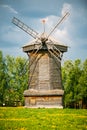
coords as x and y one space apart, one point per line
43 99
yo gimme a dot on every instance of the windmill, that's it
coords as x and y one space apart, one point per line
45 54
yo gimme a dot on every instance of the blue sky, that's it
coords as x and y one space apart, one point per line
72 32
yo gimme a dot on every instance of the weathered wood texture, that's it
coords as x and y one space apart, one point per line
35 45
45 87
44 101
45 71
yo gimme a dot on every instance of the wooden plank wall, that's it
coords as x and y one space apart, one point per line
45 73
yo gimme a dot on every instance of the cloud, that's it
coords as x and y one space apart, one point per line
13 34
61 33
12 10
50 22
66 8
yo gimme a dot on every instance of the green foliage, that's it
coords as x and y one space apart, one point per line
42 119
13 80
74 75
3 81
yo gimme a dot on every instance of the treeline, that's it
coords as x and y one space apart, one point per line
74 76
14 80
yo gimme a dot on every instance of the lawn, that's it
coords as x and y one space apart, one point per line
13 118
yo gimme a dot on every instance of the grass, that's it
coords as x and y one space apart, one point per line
42 119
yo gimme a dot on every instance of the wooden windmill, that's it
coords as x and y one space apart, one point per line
45 54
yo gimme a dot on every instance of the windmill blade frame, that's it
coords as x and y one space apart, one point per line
50 51
54 48
25 27
59 22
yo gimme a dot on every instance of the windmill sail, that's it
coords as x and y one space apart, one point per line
24 27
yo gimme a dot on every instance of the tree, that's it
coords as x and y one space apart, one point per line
71 72
67 76
83 84
17 80
3 82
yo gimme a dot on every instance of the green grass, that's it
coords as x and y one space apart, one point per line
42 119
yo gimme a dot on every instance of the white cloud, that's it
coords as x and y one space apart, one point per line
12 10
61 32
66 8
51 20
61 35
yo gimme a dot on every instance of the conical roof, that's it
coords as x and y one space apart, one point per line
36 43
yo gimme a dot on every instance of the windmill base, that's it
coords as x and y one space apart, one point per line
43 99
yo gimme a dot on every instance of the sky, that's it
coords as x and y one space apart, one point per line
72 32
